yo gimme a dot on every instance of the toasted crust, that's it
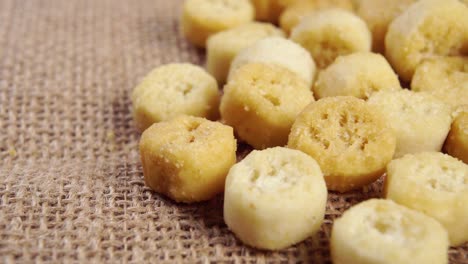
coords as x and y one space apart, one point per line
203 18
174 89
426 29
446 78
327 34
359 74
456 143
350 140
187 158
378 15
262 101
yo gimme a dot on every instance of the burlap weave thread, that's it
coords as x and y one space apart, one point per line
71 186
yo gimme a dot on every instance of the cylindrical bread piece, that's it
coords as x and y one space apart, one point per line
174 89
456 143
358 74
378 14
278 51
187 158
381 231
350 140
223 47
262 101
426 29
330 33
446 78
420 121
294 13
274 198
435 184
203 18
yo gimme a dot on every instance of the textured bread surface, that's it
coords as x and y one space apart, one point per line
329 33
421 122
381 231
280 51
223 47
187 158
445 78
203 18
378 14
262 101
275 198
456 143
350 140
428 28
174 89
435 184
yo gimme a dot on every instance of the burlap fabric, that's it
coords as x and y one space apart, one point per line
71 186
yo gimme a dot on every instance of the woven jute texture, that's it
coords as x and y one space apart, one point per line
71 183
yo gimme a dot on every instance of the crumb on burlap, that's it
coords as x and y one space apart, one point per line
110 137
12 152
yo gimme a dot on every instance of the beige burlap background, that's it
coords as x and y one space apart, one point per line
71 186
